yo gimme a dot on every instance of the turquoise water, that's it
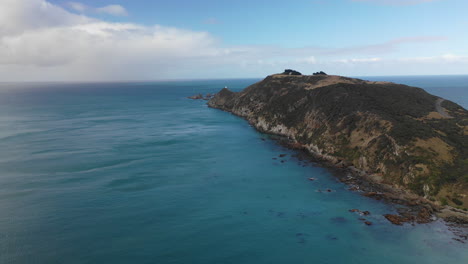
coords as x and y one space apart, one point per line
137 173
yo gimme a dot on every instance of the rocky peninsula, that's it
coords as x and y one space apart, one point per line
397 143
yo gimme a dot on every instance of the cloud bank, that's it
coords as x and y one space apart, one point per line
40 41
115 10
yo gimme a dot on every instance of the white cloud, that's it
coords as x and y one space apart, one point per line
448 57
365 60
42 41
77 6
40 37
17 16
115 10
385 47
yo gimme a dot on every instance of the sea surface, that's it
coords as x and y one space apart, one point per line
137 173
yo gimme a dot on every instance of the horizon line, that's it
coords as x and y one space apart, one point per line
215 79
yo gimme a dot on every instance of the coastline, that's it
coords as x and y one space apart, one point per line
414 209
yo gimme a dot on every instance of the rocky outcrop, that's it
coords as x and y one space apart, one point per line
391 133
208 96
397 219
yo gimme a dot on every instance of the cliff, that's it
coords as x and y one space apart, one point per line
395 134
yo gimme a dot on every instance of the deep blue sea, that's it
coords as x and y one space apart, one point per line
137 173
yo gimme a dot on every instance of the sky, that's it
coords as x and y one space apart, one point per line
119 40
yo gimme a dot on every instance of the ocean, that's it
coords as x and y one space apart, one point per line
138 173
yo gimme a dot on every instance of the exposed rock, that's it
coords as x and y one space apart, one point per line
196 97
208 96
454 215
359 211
397 219
380 196
368 223
424 216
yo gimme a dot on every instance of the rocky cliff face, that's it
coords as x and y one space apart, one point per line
397 134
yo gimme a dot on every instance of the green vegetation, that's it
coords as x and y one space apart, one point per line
443 201
456 201
319 73
291 72
406 129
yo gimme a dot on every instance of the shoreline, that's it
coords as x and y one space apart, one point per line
415 209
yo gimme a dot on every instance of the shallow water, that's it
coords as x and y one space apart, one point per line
137 173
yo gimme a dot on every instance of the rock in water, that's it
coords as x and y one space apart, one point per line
208 96
196 97
397 219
